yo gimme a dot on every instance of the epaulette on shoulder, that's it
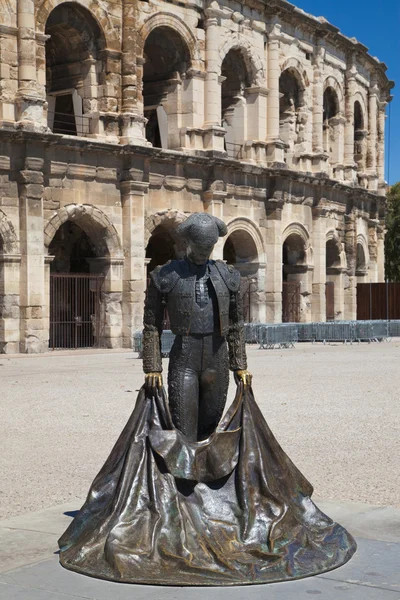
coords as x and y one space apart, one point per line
229 274
166 276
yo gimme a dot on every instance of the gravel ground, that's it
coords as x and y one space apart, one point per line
334 409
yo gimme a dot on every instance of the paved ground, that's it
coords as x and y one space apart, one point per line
334 409
29 569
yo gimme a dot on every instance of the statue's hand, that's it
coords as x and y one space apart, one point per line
153 381
243 376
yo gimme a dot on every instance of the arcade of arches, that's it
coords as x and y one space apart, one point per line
117 124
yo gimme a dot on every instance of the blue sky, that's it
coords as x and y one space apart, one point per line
377 26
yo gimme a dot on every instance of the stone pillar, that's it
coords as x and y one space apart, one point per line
254 148
132 118
275 148
273 250
29 102
33 295
173 108
381 148
104 119
133 199
350 167
349 278
214 139
372 138
318 303
8 68
9 303
320 159
373 250
191 133
112 303
381 251
339 124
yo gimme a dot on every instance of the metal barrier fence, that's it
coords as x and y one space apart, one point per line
285 335
278 336
167 339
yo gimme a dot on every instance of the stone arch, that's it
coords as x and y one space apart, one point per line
244 248
296 274
299 230
168 218
358 97
161 243
332 82
297 66
165 19
251 58
8 238
242 223
362 255
293 110
93 222
101 16
332 236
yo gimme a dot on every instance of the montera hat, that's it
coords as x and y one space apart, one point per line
202 228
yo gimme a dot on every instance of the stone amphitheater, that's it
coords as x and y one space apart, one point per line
120 118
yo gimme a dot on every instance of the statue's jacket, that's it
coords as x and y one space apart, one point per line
172 287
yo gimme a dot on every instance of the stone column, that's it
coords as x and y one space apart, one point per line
350 167
381 148
133 199
320 158
29 102
381 251
104 121
273 249
275 148
372 138
112 303
8 72
132 118
318 304
349 278
214 138
33 295
9 303
256 104
192 110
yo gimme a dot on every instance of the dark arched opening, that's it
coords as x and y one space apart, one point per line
359 137
73 250
236 79
166 58
331 125
74 68
361 262
160 249
77 302
291 100
333 275
294 271
240 250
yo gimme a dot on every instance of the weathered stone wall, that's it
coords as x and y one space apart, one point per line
266 117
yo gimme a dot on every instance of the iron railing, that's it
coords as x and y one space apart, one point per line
75 310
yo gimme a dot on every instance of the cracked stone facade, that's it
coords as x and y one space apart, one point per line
119 119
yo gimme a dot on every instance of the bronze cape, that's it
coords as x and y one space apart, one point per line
229 510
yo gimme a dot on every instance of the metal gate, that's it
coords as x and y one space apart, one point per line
330 300
75 310
291 302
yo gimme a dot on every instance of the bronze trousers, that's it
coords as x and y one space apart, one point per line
198 379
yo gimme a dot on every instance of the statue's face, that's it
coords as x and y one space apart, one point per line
198 252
